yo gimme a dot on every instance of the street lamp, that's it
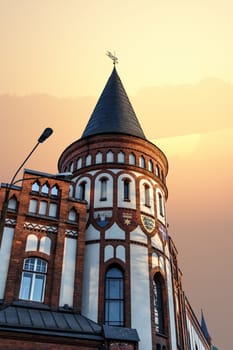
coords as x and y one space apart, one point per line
45 134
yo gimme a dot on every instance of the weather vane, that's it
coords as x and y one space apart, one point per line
113 57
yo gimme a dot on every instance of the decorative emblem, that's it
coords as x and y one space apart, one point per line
113 57
102 218
127 218
148 223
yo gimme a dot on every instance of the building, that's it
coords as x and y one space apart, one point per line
87 261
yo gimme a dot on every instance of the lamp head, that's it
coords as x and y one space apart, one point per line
46 133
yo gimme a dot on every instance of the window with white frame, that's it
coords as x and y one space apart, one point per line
103 189
33 279
147 195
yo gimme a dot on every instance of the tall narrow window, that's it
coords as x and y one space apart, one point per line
53 210
110 157
132 159
157 170
147 195
12 203
121 157
150 166
35 187
103 189
43 208
158 304
33 279
45 189
142 162
161 210
114 297
33 206
126 190
54 191
82 191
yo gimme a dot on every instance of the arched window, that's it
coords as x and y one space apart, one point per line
157 170
142 163
103 189
79 163
98 158
150 166
147 195
114 297
161 209
158 304
32 243
82 191
45 245
33 279
12 203
126 190
110 157
88 160
36 187
72 215
45 189
132 159
54 191
121 157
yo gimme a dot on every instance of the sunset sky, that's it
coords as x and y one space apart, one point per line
176 64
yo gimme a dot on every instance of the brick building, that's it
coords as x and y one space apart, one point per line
87 261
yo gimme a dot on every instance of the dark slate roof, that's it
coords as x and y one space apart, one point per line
46 321
120 333
113 112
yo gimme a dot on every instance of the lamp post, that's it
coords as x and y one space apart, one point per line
46 133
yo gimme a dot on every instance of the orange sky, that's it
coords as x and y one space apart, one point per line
175 61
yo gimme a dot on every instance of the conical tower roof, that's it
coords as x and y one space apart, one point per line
113 112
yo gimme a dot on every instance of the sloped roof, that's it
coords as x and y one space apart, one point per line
46 321
113 112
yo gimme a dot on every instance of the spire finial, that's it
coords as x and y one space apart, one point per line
113 57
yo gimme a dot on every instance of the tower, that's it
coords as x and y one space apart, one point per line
122 176
86 261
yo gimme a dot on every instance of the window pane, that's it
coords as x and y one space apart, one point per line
35 187
53 210
26 284
43 208
54 191
45 189
41 266
38 289
32 206
29 264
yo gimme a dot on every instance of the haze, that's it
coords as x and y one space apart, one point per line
175 61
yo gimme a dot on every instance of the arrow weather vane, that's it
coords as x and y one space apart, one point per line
113 57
